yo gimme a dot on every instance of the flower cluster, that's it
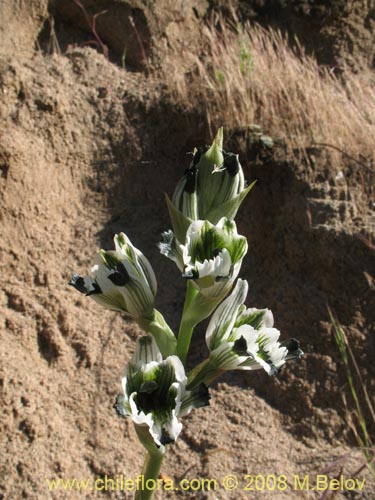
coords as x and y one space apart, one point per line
208 251
240 338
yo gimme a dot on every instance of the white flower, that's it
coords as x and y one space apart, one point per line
121 280
242 339
171 248
155 393
212 256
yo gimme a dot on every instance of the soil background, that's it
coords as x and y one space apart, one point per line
87 149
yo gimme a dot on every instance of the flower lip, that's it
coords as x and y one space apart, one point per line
240 346
206 241
212 256
148 397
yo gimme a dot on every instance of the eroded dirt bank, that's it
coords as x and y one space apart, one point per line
87 149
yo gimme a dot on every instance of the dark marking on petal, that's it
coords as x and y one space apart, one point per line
200 151
167 244
274 371
97 290
79 283
240 347
165 438
293 346
201 396
190 275
231 163
117 279
148 386
191 180
228 277
121 276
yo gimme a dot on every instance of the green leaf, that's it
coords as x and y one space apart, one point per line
180 222
230 208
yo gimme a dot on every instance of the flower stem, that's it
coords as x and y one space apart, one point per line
160 330
150 473
204 373
186 326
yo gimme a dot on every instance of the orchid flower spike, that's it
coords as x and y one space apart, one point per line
155 394
121 280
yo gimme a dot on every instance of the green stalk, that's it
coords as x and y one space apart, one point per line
364 440
151 466
150 474
206 372
160 330
186 326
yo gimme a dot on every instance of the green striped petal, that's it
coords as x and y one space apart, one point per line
155 394
121 280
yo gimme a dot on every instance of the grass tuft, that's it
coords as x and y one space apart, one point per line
248 75
355 417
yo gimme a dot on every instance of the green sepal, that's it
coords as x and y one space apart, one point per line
160 330
204 373
214 155
230 208
180 222
211 161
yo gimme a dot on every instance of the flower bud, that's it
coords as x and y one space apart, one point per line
212 187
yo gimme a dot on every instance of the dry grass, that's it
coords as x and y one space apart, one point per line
356 416
249 76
